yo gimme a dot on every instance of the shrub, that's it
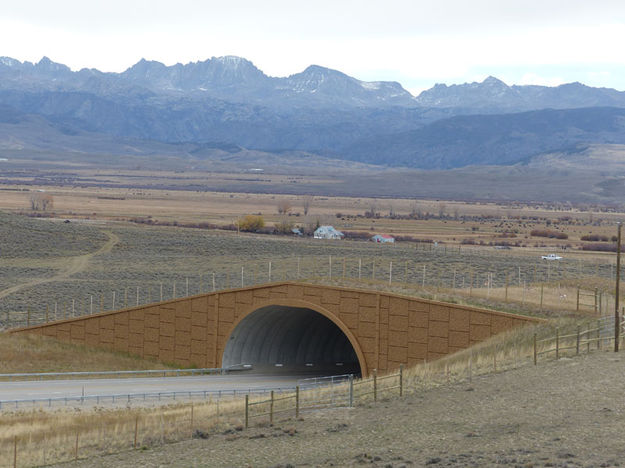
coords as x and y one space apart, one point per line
595 238
251 223
285 227
548 233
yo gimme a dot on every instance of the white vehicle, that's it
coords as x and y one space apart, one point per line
551 257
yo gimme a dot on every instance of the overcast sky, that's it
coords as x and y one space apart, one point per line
418 43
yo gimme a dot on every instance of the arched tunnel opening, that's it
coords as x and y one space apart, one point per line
281 339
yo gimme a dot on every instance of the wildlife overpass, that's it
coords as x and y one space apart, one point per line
288 326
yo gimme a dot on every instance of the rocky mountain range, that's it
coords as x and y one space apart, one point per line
229 102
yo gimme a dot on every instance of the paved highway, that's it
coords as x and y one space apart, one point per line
76 388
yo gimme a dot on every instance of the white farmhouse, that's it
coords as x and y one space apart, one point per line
327 232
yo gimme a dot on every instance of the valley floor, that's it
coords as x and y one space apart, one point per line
567 413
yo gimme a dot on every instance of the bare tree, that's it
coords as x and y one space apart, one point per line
284 206
306 202
41 201
373 209
441 210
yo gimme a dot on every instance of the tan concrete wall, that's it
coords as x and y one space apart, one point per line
385 329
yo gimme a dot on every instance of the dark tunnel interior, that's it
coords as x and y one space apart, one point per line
280 339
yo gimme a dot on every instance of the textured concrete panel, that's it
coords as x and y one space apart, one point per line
439 313
398 323
439 329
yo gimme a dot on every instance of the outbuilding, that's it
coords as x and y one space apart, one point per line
383 239
327 232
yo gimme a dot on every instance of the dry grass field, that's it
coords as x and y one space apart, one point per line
30 353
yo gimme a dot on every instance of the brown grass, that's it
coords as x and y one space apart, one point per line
32 353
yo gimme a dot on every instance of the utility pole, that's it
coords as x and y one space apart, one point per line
617 321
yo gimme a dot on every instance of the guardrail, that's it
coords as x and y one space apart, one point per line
141 373
127 398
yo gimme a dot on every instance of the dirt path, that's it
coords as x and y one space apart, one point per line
568 413
72 266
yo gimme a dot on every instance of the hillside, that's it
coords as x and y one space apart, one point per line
503 139
556 414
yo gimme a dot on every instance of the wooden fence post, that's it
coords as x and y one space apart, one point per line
390 273
76 446
297 401
271 409
247 411
351 390
535 351
598 334
136 429
375 385
577 298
